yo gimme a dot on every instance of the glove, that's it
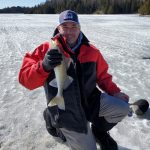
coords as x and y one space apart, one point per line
123 96
52 59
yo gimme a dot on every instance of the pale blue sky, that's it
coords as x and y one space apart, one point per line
10 3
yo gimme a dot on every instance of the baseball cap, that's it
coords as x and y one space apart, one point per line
68 16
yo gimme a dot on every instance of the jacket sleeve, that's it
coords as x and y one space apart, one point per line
32 74
104 79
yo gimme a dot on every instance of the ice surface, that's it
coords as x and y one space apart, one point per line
124 40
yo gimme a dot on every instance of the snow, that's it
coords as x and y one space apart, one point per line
124 40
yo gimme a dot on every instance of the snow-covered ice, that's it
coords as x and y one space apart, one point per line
124 40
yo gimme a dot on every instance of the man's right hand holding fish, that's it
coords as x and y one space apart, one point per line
52 59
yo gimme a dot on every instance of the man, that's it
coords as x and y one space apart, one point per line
84 102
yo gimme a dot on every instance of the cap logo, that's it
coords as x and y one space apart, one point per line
68 16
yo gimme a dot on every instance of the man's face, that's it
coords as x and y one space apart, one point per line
70 31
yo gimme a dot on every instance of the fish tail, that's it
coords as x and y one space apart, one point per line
58 100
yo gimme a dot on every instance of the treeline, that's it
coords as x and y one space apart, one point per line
145 8
17 9
86 7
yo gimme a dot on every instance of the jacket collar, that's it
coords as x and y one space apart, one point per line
84 39
63 44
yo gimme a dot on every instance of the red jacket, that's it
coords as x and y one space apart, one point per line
82 97
32 74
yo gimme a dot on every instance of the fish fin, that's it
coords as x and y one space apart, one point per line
57 100
53 83
52 103
68 81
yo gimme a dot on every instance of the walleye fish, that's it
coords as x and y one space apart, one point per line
62 80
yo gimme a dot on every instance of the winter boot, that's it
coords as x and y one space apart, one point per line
105 141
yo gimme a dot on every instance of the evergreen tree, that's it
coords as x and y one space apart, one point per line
145 8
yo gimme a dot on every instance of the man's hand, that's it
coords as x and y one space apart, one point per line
123 96
52 59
